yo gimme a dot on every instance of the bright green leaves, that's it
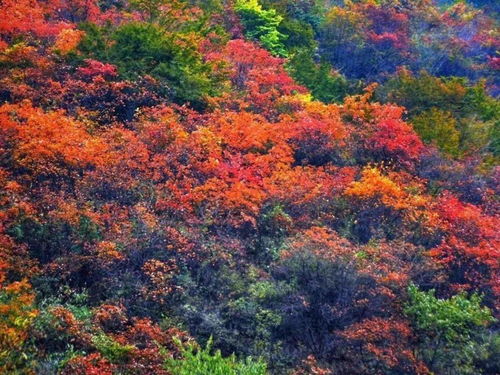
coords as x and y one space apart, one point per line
451 332
453 319
262 25
198 361
141 49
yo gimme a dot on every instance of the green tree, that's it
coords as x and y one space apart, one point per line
324 84
262 25
299 34
141 49
449 331
427 98
301 20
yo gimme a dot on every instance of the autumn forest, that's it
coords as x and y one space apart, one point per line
249 187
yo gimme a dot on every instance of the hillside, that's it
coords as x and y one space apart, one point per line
249 187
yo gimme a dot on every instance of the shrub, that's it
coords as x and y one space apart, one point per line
439 127
110 349
449 330
198 361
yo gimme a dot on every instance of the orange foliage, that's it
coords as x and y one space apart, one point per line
382 131
110 317
67 40
389 341
308 186
48 142
388 190
322 242
375 185
108 251
160 275
117 182
24 16
320 120
388 263
310 366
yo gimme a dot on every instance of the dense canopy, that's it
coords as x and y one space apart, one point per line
249 187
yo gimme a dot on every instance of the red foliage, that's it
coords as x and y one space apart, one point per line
145 336
380 130
100 178
396 139
91 364
310 366
470 249
47 142
96 68
260 77
28 16
389 340
111 318
387 26
44 18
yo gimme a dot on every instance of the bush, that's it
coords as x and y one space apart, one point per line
141 49
439 127
325 85
449 330
110 349
198 361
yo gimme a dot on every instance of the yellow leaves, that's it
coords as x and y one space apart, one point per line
16 315
303 98
13 186
18 54
336 14
395 191
148 219
66 211
358 107
209 148
461 12
375 185
67 40
108 251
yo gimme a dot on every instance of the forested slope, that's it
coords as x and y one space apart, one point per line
249 187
